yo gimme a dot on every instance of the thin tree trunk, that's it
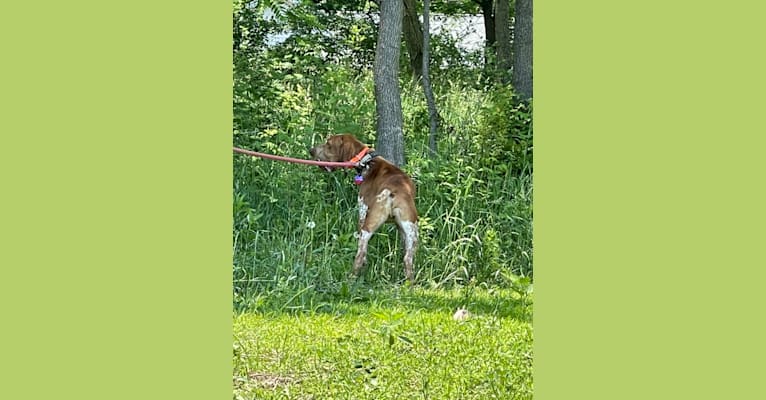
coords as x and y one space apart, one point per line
388 102
522 50
433 115
503 36
413 38
489 30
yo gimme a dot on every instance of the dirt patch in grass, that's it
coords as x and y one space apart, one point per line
264 380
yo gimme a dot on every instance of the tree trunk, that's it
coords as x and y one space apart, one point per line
489 30
388 102
433 115
413 37
522 50
503 36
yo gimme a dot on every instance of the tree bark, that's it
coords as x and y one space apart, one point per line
522 50
388 102
489 29
433 115
503 37
413 38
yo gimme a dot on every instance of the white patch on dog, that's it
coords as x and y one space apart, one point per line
361 252
384 203
410 230
362 210
384 194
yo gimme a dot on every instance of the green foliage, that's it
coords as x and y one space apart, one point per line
294 226
345 103
281 48
504 136
451 63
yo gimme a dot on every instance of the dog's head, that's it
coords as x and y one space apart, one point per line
337 148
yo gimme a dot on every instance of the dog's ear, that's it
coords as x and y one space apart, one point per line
350 146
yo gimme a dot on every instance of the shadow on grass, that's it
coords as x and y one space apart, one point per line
359 299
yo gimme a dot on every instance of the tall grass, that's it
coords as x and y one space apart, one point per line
294 226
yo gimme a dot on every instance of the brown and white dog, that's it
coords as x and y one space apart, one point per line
385 193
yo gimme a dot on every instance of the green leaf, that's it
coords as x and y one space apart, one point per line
405 339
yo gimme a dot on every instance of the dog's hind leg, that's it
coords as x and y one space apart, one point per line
409 232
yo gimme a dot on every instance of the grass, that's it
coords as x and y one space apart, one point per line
294 225
392 343
302 332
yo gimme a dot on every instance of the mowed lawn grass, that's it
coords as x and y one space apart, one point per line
395 343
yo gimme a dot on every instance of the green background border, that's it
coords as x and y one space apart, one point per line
649 202
117 183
